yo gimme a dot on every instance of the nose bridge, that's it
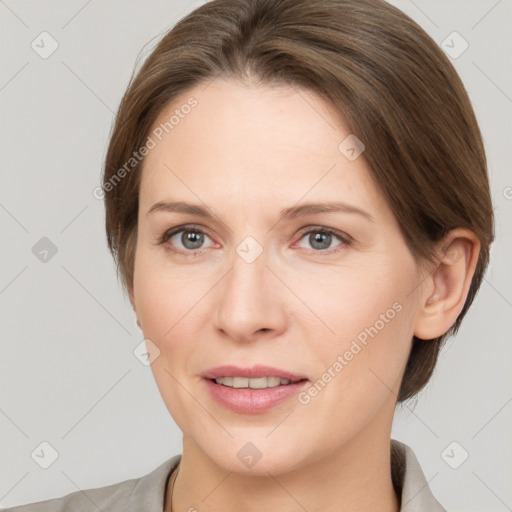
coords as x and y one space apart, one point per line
248 299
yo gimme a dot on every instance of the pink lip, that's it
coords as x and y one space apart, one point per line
251 373
252 401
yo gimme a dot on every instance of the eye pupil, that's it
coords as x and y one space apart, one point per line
193 237
321 238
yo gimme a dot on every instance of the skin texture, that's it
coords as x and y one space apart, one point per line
245 153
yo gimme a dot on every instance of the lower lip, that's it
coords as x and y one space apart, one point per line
253 401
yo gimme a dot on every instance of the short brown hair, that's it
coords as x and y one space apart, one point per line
393 86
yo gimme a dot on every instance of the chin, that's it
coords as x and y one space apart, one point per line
258 457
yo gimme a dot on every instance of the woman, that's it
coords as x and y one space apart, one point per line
297 200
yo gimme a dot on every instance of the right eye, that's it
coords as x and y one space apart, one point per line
184 239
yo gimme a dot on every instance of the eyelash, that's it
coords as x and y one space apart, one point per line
345 239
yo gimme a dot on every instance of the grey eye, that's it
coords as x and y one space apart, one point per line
320 240
190 239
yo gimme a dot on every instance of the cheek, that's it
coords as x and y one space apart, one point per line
170 302
163 294
372 316
165 306
356 302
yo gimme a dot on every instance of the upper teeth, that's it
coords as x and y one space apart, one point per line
258 383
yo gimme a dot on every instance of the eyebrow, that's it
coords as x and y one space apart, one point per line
286 214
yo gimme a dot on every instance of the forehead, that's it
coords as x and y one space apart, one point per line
257 143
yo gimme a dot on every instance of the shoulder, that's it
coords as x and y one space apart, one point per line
143 493
416 495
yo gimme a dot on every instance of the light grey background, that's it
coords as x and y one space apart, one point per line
68 375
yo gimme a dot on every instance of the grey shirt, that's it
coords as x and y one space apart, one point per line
146 494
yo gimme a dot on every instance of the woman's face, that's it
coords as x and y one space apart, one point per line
247 276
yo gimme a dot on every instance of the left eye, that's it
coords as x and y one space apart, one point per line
321 239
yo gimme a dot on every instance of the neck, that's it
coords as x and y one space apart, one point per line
356 477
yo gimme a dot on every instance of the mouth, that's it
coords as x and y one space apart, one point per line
254 383
252 390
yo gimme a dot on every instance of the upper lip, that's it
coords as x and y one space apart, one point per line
252 373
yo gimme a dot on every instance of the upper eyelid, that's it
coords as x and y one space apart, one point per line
168 233
326 229
305 229
344 238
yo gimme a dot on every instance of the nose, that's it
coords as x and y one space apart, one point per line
251 301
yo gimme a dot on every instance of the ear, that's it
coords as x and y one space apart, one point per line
446 287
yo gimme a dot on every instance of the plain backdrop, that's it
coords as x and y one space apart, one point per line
68 374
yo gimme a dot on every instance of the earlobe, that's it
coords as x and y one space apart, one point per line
447 285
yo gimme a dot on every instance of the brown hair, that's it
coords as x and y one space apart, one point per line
394 87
